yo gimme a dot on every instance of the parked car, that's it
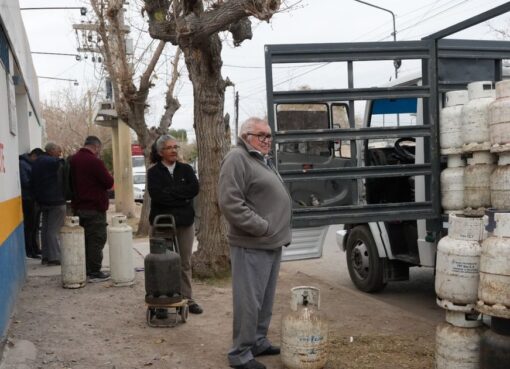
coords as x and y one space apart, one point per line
139 178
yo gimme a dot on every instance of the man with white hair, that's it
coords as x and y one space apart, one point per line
47 187
257 206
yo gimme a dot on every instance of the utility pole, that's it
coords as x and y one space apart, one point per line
397 62
121 135
236 116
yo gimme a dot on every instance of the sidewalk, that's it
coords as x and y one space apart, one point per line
104 327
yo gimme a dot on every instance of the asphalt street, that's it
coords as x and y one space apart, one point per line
417 295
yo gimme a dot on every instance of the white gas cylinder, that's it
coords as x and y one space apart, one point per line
304 331
72 249
494 287
499 118
462 319
458 348
477 192
457 265
475 116
120 242
452 185
450 122
500 182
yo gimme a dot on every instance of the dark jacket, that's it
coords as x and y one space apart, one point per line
172 194
47 180
254 200
25 175
90 181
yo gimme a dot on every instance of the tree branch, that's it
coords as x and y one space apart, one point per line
172 103
145 79
196 28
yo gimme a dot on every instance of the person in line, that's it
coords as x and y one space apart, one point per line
47 187
257 207
30 211
91 181
172 185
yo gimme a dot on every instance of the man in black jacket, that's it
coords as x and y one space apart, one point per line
172 185
48 190
31 214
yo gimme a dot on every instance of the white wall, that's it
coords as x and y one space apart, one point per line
9 176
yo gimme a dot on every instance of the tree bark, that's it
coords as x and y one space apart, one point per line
204 68
185 23
130 100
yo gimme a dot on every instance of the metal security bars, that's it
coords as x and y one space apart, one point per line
441 63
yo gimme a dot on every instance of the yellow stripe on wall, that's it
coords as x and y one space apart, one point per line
11 215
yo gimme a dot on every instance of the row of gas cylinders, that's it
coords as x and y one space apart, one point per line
473 281
477 119
475 122
480 185
72 247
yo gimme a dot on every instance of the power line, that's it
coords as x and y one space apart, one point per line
60 79
434 15
291 78
260 67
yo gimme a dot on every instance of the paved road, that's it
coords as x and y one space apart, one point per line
416 295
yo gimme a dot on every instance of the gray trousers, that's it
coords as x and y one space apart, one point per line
254 277
185 237
52 220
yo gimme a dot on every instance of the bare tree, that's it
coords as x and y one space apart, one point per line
69 120
194 26
131 100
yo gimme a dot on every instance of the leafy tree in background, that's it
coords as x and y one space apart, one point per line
180 134
68 119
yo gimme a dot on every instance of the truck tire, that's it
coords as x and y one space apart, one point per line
366 268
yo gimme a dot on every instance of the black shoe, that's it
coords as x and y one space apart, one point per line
271 350
94 277
44 261
53 262
252 364
194 308
34 256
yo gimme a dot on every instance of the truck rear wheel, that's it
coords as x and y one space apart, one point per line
366 268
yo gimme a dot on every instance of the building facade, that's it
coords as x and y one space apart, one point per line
21 130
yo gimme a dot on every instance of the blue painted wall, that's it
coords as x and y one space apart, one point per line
12 275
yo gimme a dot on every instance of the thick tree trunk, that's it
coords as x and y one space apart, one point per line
194 26
204 67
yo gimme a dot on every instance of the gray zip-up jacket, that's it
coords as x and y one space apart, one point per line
254 200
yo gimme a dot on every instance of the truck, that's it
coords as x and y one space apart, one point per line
379 178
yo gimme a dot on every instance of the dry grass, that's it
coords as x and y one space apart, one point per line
381 352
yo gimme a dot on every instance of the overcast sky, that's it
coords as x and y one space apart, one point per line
313 21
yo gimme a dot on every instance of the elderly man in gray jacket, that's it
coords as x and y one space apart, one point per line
257 206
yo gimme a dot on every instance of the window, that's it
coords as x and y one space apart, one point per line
393 112
138 178
138 161
341 120
292 117
4 50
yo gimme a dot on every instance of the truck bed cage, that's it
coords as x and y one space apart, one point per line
446 65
